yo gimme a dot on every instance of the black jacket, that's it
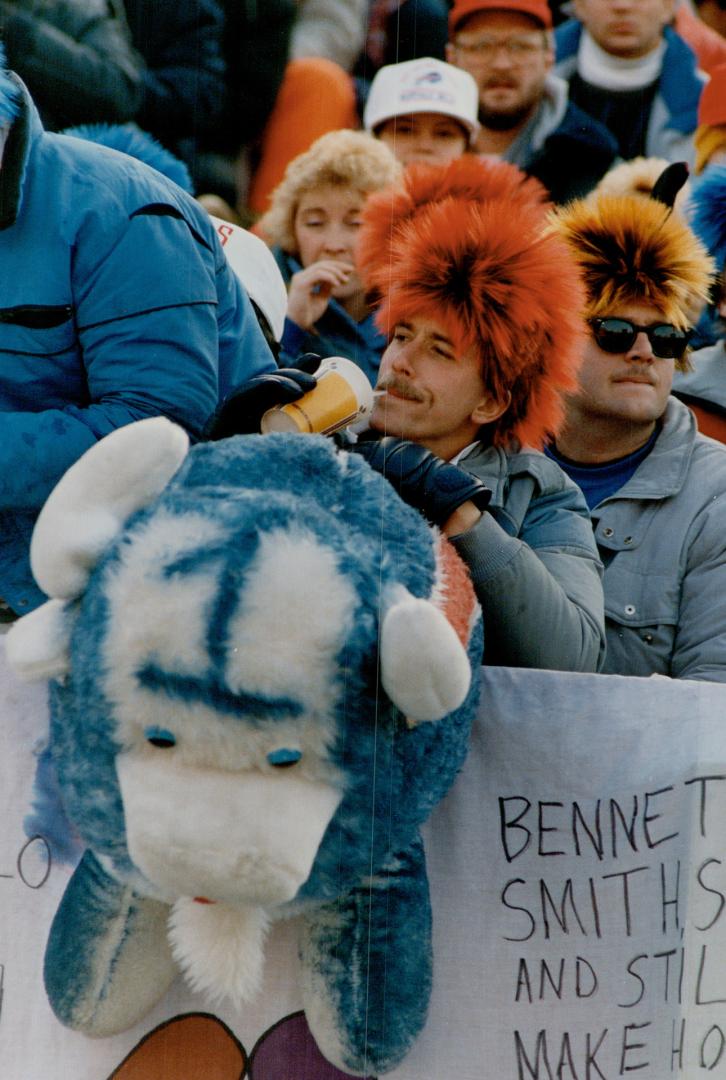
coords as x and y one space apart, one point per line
184 76
574 157
76 57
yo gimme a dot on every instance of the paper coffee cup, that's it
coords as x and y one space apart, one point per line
342 396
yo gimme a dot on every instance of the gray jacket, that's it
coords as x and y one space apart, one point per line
662 538
534 565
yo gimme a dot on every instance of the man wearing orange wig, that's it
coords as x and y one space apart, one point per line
481 311
655 486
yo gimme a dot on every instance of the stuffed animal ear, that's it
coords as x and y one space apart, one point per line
424 667
88 507
37 645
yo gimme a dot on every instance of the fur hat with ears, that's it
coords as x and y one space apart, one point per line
486 274
638 177
9 93
468 179
634 250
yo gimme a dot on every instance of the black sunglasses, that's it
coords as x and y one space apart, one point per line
615 335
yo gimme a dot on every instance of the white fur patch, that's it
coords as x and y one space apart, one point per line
220 949
37 645
297 610
91 502
424 668
240 838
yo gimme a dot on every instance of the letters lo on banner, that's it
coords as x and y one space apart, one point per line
578 873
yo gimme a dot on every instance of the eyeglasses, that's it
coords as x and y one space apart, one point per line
615 335
516 48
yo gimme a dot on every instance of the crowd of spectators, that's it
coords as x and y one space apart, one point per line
483 203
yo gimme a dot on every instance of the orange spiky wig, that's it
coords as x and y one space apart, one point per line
636 250
477 262
467 179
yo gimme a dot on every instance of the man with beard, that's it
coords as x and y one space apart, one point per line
524 111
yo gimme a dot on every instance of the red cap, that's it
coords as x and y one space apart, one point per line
536 9
712 106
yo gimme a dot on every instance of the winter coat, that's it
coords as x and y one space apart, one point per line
335 334
77 58
674 113
116 304
562 146
184 76
534 564
662 538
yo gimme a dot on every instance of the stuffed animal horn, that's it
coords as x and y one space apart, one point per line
262 686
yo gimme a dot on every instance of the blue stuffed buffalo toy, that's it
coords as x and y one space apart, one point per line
261 666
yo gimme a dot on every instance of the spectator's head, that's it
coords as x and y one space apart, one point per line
507 48
628 29
710 136
315 212
255 266
646 277
424 110
479 306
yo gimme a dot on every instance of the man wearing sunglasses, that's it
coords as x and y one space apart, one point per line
656 488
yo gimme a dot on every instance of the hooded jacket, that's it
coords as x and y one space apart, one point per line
674 112
116 304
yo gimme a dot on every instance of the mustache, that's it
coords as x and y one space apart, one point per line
400 387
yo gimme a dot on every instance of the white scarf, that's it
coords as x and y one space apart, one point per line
602 69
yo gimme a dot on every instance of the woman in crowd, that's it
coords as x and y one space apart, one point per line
312 226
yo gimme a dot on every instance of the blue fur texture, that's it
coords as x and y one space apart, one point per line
130 139
708 202
9 93
366 949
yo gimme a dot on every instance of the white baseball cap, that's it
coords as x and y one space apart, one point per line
425 85
255 266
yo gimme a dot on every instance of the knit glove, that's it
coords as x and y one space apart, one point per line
423 480
242 410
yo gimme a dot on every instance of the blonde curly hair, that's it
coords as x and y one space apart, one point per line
338 158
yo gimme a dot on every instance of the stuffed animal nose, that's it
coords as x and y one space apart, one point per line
240 838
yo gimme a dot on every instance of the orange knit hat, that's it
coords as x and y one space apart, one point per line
467 249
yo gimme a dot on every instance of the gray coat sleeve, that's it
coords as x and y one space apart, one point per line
543 606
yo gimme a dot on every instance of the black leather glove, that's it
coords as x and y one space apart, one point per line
242 410
423 480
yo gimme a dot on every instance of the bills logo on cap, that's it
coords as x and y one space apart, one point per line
429 77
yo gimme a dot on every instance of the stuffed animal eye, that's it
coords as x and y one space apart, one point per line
160 737
284 757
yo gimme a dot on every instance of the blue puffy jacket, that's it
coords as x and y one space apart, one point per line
116 303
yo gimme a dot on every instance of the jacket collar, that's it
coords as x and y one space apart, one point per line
25 129
680 83
664 471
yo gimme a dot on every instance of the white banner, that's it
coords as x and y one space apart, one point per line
578 873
